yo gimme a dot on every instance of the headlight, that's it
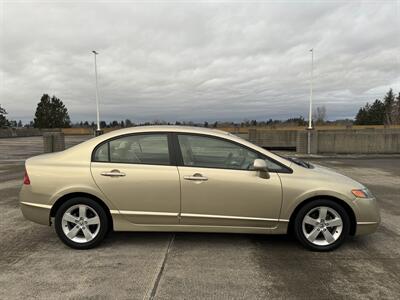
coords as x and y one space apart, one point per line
362 193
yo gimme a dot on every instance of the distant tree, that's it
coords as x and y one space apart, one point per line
19 123
178 123
389 102
362 115
51 113
397 109
215 125
122 124
3 119
319 114
206 124
103 124
128 123
300 121
374 114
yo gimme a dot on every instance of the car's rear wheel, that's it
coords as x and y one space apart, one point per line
322 225
81 223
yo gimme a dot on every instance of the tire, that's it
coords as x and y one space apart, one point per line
319 233
81 223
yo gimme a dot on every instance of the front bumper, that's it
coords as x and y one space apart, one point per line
367 215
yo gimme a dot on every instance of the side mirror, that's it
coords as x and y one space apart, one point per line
261 166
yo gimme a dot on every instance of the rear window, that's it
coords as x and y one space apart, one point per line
101 153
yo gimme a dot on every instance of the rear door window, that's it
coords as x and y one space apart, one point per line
136 149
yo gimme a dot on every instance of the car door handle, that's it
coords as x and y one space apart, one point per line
113 173
196 177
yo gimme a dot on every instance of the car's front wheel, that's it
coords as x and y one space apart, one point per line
81 223
322 225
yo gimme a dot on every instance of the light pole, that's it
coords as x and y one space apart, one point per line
98 130
311 98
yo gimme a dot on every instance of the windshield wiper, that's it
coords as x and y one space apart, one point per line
300 162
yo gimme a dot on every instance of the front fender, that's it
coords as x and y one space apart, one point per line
291 202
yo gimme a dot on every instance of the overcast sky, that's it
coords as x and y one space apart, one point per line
197 60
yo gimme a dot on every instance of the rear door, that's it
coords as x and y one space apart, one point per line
137 174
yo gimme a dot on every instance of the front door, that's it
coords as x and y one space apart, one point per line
219 189
135 173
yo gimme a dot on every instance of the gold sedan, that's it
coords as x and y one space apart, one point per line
173 178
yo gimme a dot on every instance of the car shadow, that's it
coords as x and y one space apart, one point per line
216 239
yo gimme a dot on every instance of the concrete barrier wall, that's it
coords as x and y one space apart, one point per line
359 141
274 139
19 132
347 141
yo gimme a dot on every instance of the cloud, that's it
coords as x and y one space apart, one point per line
197 61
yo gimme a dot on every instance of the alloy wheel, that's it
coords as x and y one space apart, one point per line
322 226
80 223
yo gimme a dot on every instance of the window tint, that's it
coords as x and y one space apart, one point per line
201 151
274 167
101 153
139 149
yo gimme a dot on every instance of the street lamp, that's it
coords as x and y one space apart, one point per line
311 98
98 130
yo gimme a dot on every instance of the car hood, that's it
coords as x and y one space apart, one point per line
325 173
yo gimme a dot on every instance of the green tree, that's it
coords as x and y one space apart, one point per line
3 119
51 113
380 112
362 115
389 102
371 114
397 110
376 114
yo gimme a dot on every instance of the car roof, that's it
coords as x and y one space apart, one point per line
168 128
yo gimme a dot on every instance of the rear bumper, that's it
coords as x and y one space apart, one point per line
31 209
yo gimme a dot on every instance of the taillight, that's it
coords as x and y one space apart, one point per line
26 178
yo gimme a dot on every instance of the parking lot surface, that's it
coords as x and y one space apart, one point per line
35 264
